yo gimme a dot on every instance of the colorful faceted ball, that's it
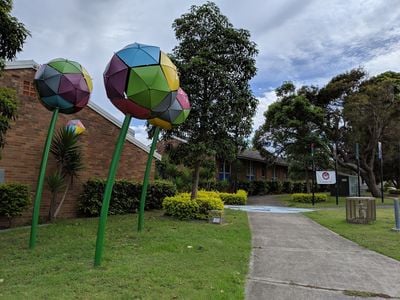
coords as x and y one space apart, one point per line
76 126
176 113
63 84
139 80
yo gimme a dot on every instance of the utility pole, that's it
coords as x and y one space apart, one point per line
313 172
336 175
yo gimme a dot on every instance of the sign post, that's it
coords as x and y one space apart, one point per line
358 169
336 176
381 163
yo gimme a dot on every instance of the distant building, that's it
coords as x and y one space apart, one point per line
21 156
252 166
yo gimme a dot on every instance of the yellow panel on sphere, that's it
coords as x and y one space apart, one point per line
160 123
170 72
88 79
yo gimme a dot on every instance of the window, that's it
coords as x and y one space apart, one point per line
28 89
250 171
224 172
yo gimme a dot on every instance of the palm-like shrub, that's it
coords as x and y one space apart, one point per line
67 152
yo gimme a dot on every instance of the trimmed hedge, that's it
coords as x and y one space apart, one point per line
307 198
394 192
124 198
184 208
14 199
240 198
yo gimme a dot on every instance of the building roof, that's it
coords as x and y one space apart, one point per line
256 156
31 64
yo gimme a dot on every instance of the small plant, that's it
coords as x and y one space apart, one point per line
14 198
240 198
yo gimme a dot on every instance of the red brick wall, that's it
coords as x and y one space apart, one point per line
25 141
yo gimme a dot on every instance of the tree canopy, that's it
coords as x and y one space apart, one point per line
216 62
12 33
351 108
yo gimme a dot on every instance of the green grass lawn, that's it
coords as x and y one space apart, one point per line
377 236
330 203
170 260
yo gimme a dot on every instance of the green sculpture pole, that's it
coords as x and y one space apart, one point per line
39 186
146 180
108 190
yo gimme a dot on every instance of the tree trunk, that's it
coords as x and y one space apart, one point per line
307 181
371 183
52 207
195 180
62 201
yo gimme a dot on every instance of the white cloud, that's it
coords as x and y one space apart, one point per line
305 41
140 132
264 102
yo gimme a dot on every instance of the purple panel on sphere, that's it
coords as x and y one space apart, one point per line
68 87
114 66
115 84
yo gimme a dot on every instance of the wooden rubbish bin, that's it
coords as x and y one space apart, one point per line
360 210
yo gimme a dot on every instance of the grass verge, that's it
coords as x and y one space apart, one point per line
377 236
169 260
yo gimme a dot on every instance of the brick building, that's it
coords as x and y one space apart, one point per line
22 153
252 165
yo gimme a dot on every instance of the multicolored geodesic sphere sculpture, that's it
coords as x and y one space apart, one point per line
141 80
76 126
176 113
63 84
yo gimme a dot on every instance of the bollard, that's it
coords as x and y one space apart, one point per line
396 214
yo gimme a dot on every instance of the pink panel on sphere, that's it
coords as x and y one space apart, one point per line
183 99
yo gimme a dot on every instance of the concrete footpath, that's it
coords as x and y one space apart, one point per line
296 258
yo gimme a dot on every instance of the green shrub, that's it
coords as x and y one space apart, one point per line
124 197
240 198
307 198
156 193
208 201
260 187
287 187
181 207
184 208
394 192
248 186
14 198
299 187
274 187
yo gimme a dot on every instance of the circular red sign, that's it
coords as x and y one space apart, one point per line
325 175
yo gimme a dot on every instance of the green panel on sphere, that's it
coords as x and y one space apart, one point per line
181 118
70 68
64 67
136 84
153 76
142 99
76 65
156 97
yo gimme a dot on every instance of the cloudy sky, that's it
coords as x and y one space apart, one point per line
306 41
